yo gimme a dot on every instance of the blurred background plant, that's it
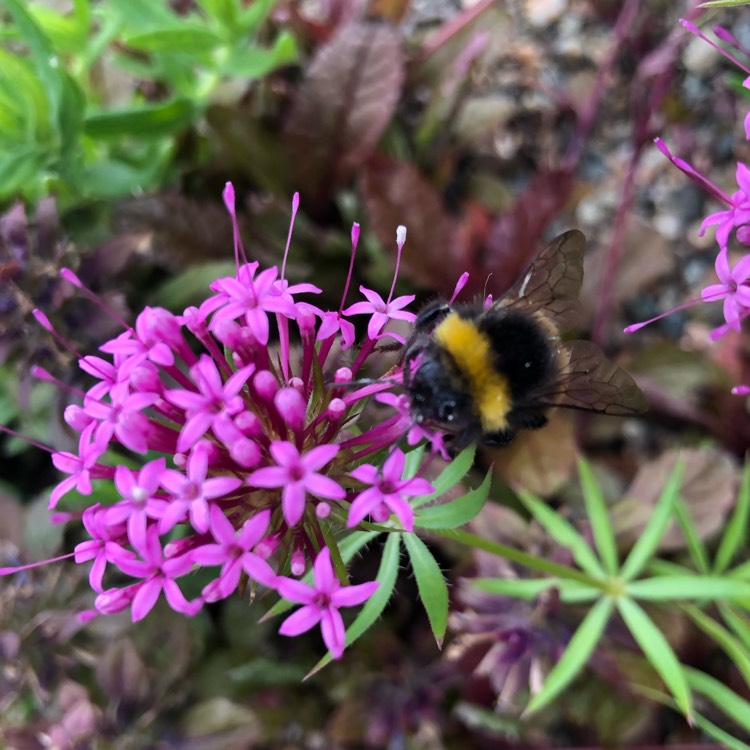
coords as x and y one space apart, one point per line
484 127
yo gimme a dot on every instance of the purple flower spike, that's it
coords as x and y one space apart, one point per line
322 603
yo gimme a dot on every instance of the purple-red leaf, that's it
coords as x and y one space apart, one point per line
343 106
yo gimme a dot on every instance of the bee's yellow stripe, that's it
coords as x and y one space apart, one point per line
472 351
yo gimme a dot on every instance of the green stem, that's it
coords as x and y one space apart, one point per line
517 556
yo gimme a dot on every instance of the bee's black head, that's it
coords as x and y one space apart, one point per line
436 396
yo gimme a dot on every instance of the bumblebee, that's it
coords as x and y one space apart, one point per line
485 372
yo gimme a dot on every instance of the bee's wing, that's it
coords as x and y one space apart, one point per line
552 281
590 382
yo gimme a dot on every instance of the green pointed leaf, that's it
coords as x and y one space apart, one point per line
149 122
255 13
733 648
46 62
529 588
696 548
739 623
18 169
724 3
658 651
456 512
725 739
598 513
253 62
413 462
670 588
518 588
735 534
563 533
433 590
575 656
726 700
648 541
374 606
186 39
454 473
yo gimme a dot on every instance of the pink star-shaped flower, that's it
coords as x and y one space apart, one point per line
298 474
733 289
381 310
388 492
322 603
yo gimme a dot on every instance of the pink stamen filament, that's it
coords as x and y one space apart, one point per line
400 239
637 326
355 242
71 278
11 571
295 208
693 29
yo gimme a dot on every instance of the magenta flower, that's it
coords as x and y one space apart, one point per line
322 603
81 467
252 299
213 399
738 215
733 289
234 552
388 493
158 574
250 443
381 311
104 546
298 474
192 491
139 502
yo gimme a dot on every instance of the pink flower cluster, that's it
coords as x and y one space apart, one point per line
734 282
248 452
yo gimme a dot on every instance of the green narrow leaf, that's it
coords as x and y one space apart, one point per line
152 121
575 656
724 738
456 512
739 623
724 3
413 462
255 14
696 548
46 62
374 606
453 473
735 533
254 62
731 646
726 700
658 651
649 539
564 533
671 588
518 588
187 39
598 513
433 590
18 169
